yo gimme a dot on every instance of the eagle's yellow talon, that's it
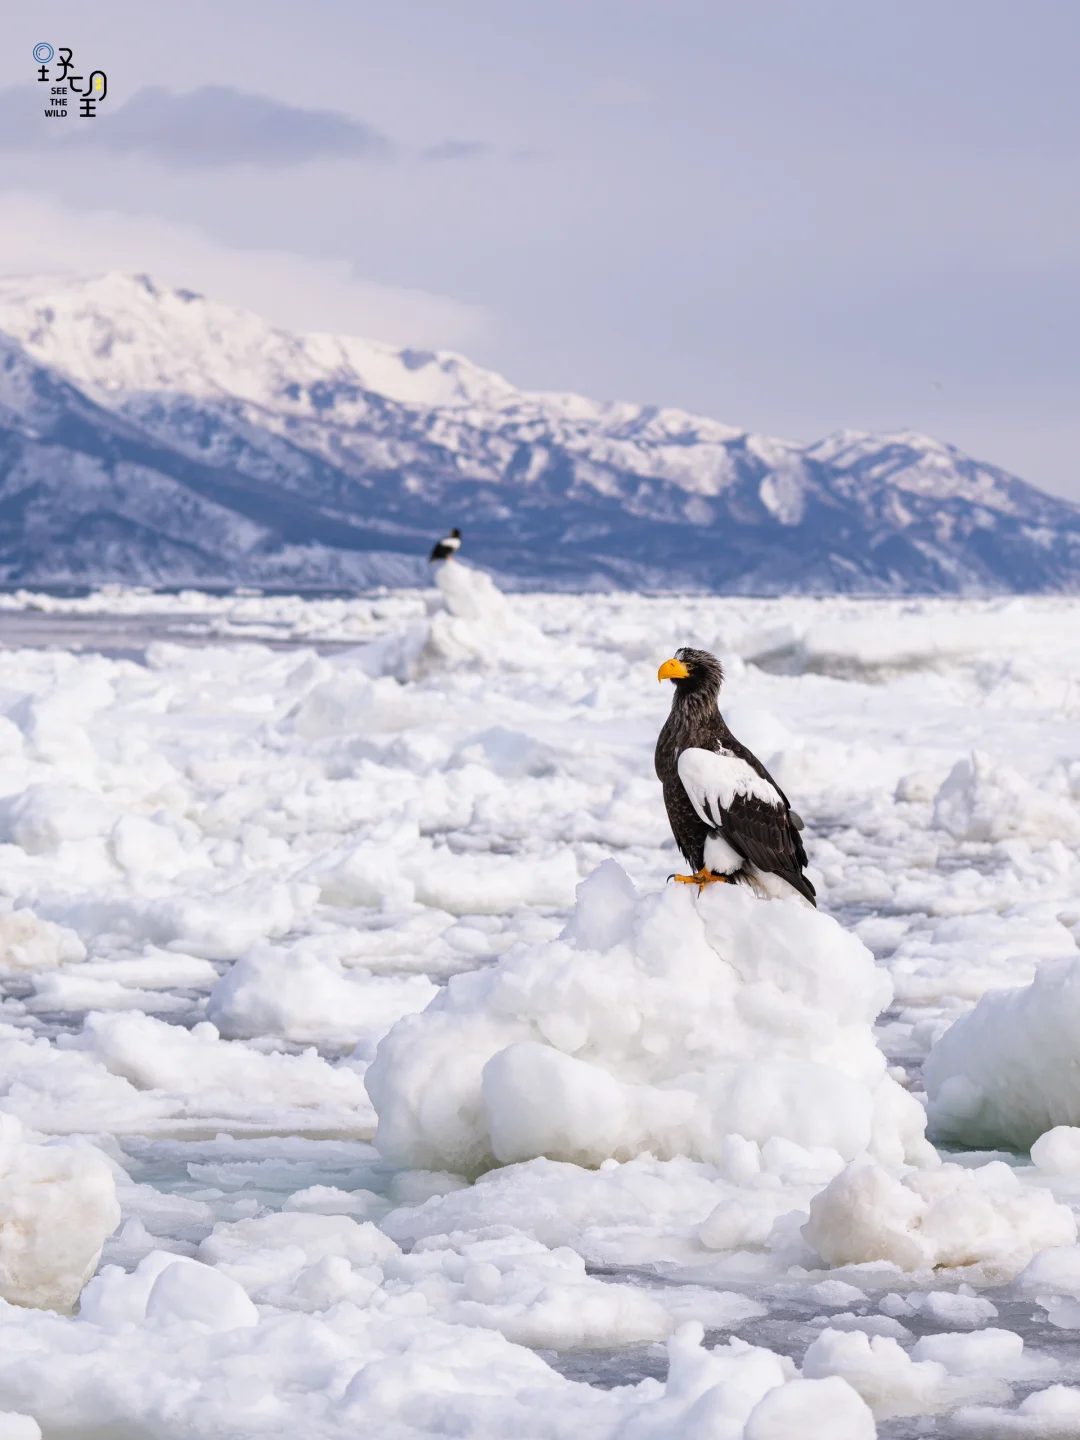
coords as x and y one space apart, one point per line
703 877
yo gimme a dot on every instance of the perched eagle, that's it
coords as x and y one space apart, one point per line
728 815
449 545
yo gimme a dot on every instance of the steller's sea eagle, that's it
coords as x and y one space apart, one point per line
447 546
729 817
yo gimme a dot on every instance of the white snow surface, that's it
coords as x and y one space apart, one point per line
651 1162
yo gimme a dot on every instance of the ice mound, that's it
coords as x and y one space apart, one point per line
30 943
928 1218
982 800
472 624
43 816
659 1024
739 1392
168 1289
1008 1071
933 1379
57 1206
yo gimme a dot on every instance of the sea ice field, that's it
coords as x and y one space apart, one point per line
362 1073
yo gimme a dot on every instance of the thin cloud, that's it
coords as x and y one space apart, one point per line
216 125
211 127
207 128
456 150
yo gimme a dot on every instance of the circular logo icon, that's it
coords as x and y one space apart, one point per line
43 53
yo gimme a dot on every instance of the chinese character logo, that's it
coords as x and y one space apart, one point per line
67 82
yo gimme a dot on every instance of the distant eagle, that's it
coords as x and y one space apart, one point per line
449 545
729 817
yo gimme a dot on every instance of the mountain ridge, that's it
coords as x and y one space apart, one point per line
319 460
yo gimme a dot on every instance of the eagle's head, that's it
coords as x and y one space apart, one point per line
693 671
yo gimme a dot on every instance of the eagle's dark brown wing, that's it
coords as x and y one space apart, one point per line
766 837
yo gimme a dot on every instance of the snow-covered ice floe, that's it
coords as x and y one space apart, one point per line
664 1025
648 1163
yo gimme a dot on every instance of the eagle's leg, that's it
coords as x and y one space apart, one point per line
703 877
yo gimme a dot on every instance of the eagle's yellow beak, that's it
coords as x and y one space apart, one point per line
672 670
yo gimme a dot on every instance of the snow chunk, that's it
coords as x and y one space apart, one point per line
298 1260
697 1017
169 1289
115 1298
316 1235
330 1200
225 925
1050 1414
559 1204
542 1298
57 1206
1058 1151
1055 1270
985 1352
890 1381
294 994
828 1409
926 1218
1008 1071
41 817
941 1306
196 1294
708 1392
18 1427
982 800
29 943
145 848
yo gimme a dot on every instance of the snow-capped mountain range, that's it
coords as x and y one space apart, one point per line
152 436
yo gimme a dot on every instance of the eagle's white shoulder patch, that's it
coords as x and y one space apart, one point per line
713 778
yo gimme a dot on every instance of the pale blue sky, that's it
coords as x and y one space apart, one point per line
793 215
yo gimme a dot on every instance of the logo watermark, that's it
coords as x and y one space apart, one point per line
64 83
